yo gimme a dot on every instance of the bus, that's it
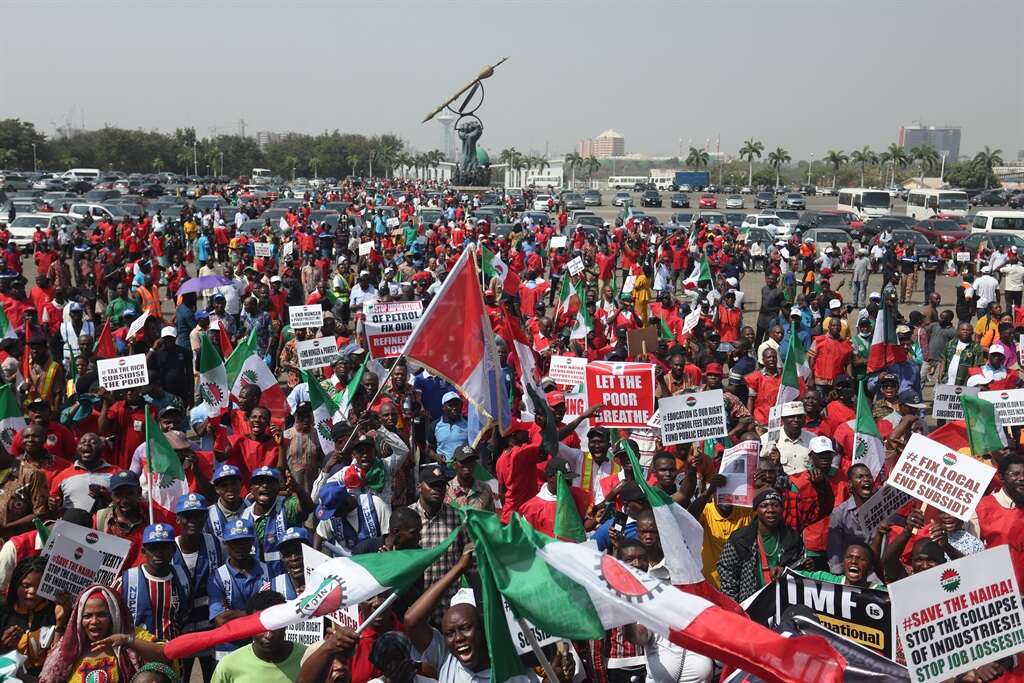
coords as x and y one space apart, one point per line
998 221
663 180
626 182
864 202
922 204
544 181
260 176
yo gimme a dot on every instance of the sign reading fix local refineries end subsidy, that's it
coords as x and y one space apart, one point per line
306 317
625 389
316 353
959 615
952 482
124 372
389 324
1009 405
692 417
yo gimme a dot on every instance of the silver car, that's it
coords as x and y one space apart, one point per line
734 201
592 198
621 197
571 200
794 200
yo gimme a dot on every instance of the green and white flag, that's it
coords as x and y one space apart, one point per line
213 378
701 273
10 663
868 448
344 397
6 331
584 324
796 349
324 411
12 420
492 264
165 476
985 429
789 389
568 525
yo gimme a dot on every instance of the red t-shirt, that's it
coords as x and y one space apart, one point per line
59 441
516 471
539 511
129 433
249 454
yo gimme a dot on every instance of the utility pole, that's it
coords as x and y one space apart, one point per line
195 156
35 162
241 127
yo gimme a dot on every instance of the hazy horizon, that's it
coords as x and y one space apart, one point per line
804 76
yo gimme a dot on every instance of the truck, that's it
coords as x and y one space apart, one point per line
696 180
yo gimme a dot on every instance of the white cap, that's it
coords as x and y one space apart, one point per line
364 273
169 331
874 295
732 281
795 311
986 269
835 303
821 444
808 240
792 408
276 278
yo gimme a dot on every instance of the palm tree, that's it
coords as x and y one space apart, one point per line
896 156
434 159
988 158
927 157
864 157
512 158
776 159
353 161
836 158
158 164
291 162
572 162
592 166
541 163
314 162
750 149
698 158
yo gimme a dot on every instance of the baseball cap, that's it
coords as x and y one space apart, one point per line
835 303
225 471
264 471
464 453
129 312
76 307
791 408
332 495
555 397
434 473
294 533
795 311
451 396
123 479
276 278
713 369
887 378
158 533
902 329
874 295
821 444
556 465
238 530
597 432
998 347
166 410
202 315
168 331
190 502
911 399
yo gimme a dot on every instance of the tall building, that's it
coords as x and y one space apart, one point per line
266 137
447 122
942 138
607 144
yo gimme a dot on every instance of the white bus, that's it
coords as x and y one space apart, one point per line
544 181
260 176
663 180
922 204
88 174
999 221
626 182
864 202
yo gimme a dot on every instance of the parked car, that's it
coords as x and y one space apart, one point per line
764 200
922 247
650 198
768 222
23 227
989 198
821 219
573 200
734 201
746 189
997 240
735 219
707 201
824 237
536 218
590 221
940 231
787 216
540 202
794 200
592 198
621 197
679 201
681 219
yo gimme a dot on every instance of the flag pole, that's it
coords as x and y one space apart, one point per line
380 389
549 670
149 469
377 612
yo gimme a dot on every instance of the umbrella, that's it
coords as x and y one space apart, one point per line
197 284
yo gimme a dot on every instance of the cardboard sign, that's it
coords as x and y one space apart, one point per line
305 632
627 285
316 353
137 325
392 222
306 317
568 371
575 403
123 372
959 615
625 389
346 616
692 417
518 637
263 249
879 508
863 615
288 249
365 248
559 241
946 404
641 341
950 481
575 266
388 326
963 257
738 466
691 320
774 426
78 556
1009 405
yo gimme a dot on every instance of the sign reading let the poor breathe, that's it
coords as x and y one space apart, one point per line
946 404
316 353
692 417
1009 405
389 324
959 615
952 482
123 372
625 389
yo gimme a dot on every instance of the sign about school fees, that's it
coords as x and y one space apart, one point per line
692 417
625 389
959 615
389 324
950 481
1009 405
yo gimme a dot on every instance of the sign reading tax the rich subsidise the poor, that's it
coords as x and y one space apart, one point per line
123 372
316 353
568 371
951 481
1009 405
77 556
306 317
946 403
389 324
625 389
959 615
692 417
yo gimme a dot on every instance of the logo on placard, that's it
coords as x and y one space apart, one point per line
626 582
949 459
949 580
92 537
691 401
958 390
874 611
211 394
97 676
1004 396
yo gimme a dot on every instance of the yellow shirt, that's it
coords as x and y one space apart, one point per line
844 327
717 530
190 230
103 667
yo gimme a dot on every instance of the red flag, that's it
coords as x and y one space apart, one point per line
224 342
104 347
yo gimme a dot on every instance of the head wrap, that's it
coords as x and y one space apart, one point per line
159 667
766 495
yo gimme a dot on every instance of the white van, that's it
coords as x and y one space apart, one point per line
90 175
999 221
866 203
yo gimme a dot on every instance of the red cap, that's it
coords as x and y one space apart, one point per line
713 369
555 397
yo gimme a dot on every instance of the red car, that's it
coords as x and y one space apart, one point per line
941 231
708 201
848 217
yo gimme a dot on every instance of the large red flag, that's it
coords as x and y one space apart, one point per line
105 343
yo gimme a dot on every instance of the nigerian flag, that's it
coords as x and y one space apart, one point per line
584 324
345 395
11 419
789 389
868 448
701 273
985 429
492 264
6 331
165 480
568 525
324 410
213 378
795 349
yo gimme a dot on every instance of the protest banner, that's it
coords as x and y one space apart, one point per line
112 549
946 403
305 632
625 389
959 615
365 248
263 249
78 556
518 637
306 317
1009 405
559 241
963 257
930 472
863 615
316 353
692 417
123 372
641 341
568 371
346 616
389 324
288 249
575 266
880 507
691 320
738 466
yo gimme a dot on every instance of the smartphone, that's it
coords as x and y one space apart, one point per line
620 521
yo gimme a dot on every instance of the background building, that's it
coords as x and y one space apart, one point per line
607 144
942 138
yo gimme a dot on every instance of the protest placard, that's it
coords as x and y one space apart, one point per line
305 632
316 353
951 481
518 637
137 325
963 257
306 317
627 284
1009 405
691 320
559 241
880 507
959 615
123 372
263 249
575 403
625 389
288 249
863 615
575 266
774 425
365 248
393 222
946 403
641 341
346 616
738 466
568 371
389 324
112 549
692 417
69 568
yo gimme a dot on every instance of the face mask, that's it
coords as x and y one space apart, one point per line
865 335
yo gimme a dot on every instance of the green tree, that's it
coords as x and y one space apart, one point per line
863 157
16 140
896 157
987 159
698 158
835 158
776 159
353 161
592 165
572 162
927 158
750 149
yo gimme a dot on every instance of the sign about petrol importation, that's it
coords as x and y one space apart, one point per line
951 481
389 324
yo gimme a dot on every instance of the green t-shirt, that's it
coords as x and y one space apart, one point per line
829 577
243 665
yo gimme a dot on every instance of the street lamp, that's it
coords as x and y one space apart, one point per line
195 157
35 163
809 168
942 171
